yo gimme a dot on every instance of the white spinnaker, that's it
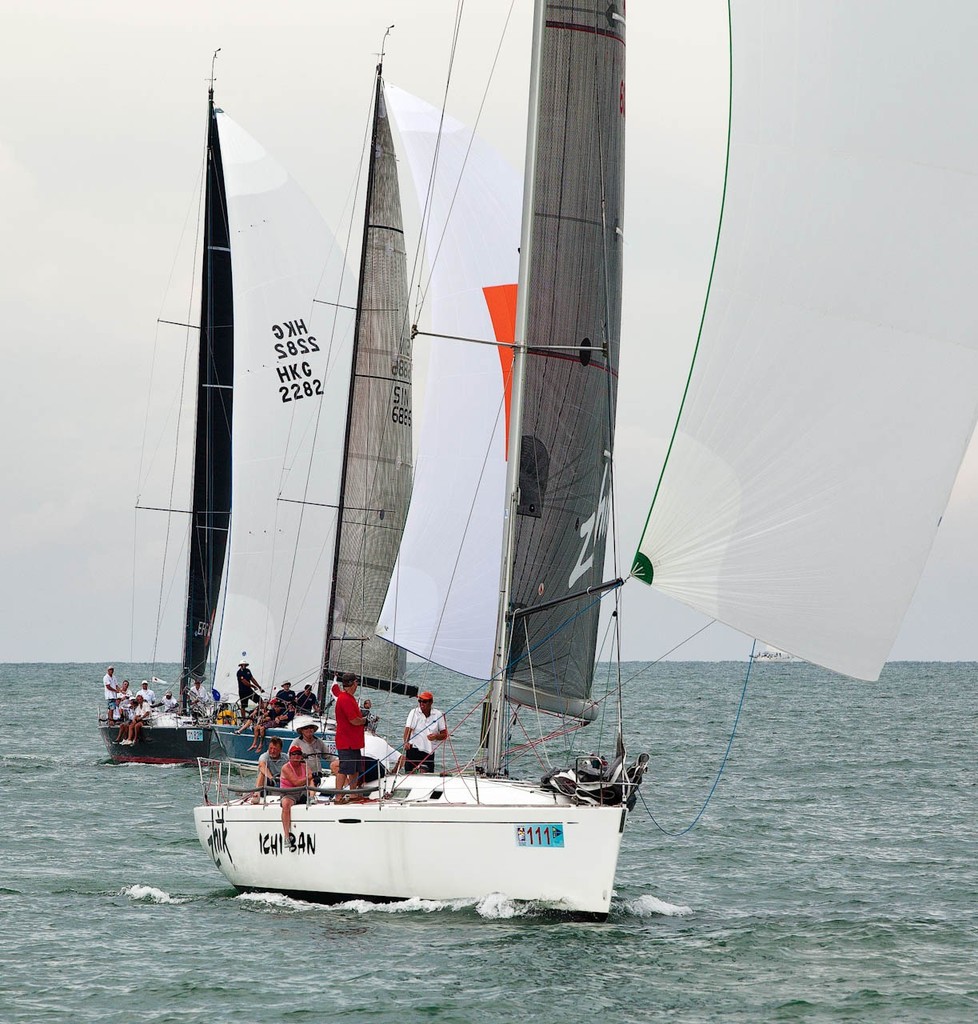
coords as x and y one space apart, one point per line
836 383
443 597
286 438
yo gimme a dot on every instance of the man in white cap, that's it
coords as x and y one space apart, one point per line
147 691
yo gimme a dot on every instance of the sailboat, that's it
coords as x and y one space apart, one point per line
258 579
804 523
181 737
369 496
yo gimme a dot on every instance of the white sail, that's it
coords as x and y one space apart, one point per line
845 274
291 380
443 597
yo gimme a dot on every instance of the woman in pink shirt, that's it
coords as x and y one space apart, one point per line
295 775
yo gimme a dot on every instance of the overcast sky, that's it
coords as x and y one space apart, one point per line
101 140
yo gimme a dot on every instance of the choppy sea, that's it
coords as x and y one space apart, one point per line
832 877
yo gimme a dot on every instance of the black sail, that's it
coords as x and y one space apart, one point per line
377 468
211 499
572 362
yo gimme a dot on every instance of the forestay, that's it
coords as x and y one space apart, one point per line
836 380
291 381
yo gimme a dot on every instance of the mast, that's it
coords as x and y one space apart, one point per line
211 499
376 472
497 692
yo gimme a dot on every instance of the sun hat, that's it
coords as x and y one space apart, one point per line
304 721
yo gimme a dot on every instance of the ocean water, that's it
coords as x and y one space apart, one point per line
832 877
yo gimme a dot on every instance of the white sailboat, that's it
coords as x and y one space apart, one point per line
805 523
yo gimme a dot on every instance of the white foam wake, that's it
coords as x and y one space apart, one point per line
149 893
274 899
649 906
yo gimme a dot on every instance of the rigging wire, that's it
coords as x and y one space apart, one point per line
723 763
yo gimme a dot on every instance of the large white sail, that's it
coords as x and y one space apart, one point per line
443 597
803 513
291 381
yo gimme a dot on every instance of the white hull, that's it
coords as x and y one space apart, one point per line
453 846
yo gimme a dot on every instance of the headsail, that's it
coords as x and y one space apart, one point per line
442 601
573 328
211 497
291 380
377 471
803 514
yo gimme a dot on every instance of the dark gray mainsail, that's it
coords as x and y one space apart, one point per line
211 501
572 359
376 485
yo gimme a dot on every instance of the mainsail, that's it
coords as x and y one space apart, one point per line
291 382
376 482
844 275
572 337
211 495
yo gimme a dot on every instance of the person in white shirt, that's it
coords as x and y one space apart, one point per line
170 703
424 730
148 695
139 711
199 698
111 687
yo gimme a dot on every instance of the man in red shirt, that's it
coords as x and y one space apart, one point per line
349 733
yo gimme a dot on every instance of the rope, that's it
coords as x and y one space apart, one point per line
723 763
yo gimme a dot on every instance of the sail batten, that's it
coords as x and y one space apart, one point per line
836 382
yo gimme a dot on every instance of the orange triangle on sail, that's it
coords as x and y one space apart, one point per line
501 300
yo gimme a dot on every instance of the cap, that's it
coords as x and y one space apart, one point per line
427 695
296 750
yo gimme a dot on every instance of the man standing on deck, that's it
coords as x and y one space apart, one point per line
350 721
248 688
425 728
111 688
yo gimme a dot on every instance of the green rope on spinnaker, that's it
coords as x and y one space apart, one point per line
642 564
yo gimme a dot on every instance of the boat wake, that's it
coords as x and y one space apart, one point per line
649 906
149 894
495 906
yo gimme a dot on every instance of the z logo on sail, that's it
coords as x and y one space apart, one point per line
593 528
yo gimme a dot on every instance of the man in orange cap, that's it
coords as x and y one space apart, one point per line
424 730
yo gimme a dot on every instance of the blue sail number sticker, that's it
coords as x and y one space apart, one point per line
195 735
540 834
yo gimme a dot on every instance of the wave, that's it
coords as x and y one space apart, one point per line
150 894
649 906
